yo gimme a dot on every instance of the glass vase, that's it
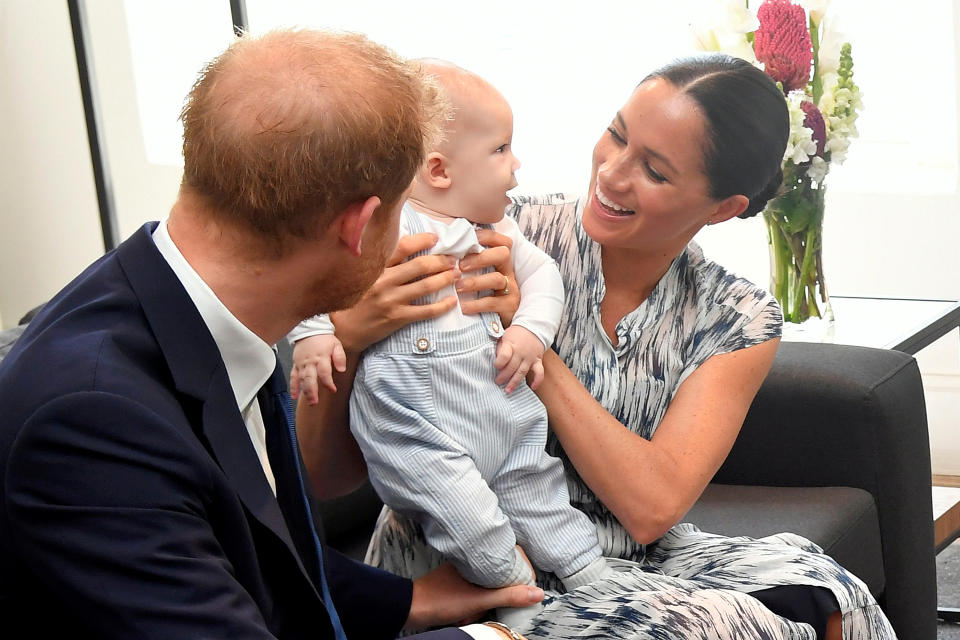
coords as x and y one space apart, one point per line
795 237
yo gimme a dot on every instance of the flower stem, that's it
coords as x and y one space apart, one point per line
807 286
794 224
816 87
780 257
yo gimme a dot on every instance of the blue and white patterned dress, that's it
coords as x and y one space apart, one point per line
688 584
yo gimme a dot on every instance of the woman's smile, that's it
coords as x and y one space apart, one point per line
606 207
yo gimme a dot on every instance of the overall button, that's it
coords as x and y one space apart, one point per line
495 326
422 344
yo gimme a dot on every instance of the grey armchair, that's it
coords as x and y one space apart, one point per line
835 448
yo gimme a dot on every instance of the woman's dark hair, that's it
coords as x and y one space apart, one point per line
747 124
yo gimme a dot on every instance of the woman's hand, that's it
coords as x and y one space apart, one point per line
386 306
502 281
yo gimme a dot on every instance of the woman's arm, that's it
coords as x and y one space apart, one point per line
650 485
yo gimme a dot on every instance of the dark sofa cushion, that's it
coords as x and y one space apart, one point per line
841 520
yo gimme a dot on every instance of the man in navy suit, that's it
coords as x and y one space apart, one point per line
139 480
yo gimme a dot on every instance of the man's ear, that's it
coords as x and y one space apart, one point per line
435 171
354 220
729 208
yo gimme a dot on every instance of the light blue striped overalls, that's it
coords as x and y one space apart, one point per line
449 447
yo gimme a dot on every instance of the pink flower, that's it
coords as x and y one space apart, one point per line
782 43
814 120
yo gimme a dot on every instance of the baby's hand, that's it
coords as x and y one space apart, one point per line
519 352
314 359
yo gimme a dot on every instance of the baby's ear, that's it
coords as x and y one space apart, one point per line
434 172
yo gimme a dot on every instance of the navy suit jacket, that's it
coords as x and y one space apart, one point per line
134 504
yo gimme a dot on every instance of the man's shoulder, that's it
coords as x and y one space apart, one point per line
92 337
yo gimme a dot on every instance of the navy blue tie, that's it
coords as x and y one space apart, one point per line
284 454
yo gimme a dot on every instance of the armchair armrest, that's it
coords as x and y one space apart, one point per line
837 415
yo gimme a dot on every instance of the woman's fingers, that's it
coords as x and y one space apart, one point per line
409 245
503 305
419 267
387 305
491 238
493 281
497 257
430 277
415 313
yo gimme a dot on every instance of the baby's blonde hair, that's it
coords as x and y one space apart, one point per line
459 86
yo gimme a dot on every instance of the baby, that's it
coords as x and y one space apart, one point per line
444 443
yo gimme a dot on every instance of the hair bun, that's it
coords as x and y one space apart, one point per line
759 201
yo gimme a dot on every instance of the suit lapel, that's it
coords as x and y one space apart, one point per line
198 371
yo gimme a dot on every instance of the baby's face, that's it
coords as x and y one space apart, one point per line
481 160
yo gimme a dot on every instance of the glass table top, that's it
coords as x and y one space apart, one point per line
906 325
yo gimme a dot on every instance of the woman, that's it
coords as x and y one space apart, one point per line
657 360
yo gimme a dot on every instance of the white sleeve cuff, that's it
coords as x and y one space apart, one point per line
317 325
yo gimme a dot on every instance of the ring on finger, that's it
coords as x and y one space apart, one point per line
506 286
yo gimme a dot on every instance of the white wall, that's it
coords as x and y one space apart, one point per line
142 190
881 244
49 224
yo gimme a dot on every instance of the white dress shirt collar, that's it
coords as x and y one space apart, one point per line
248 359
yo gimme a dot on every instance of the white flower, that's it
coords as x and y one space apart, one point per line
740 47
738 17
818 169
800 146
815 9
841 119
831 40
837 148
828 103
847 101
723 25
